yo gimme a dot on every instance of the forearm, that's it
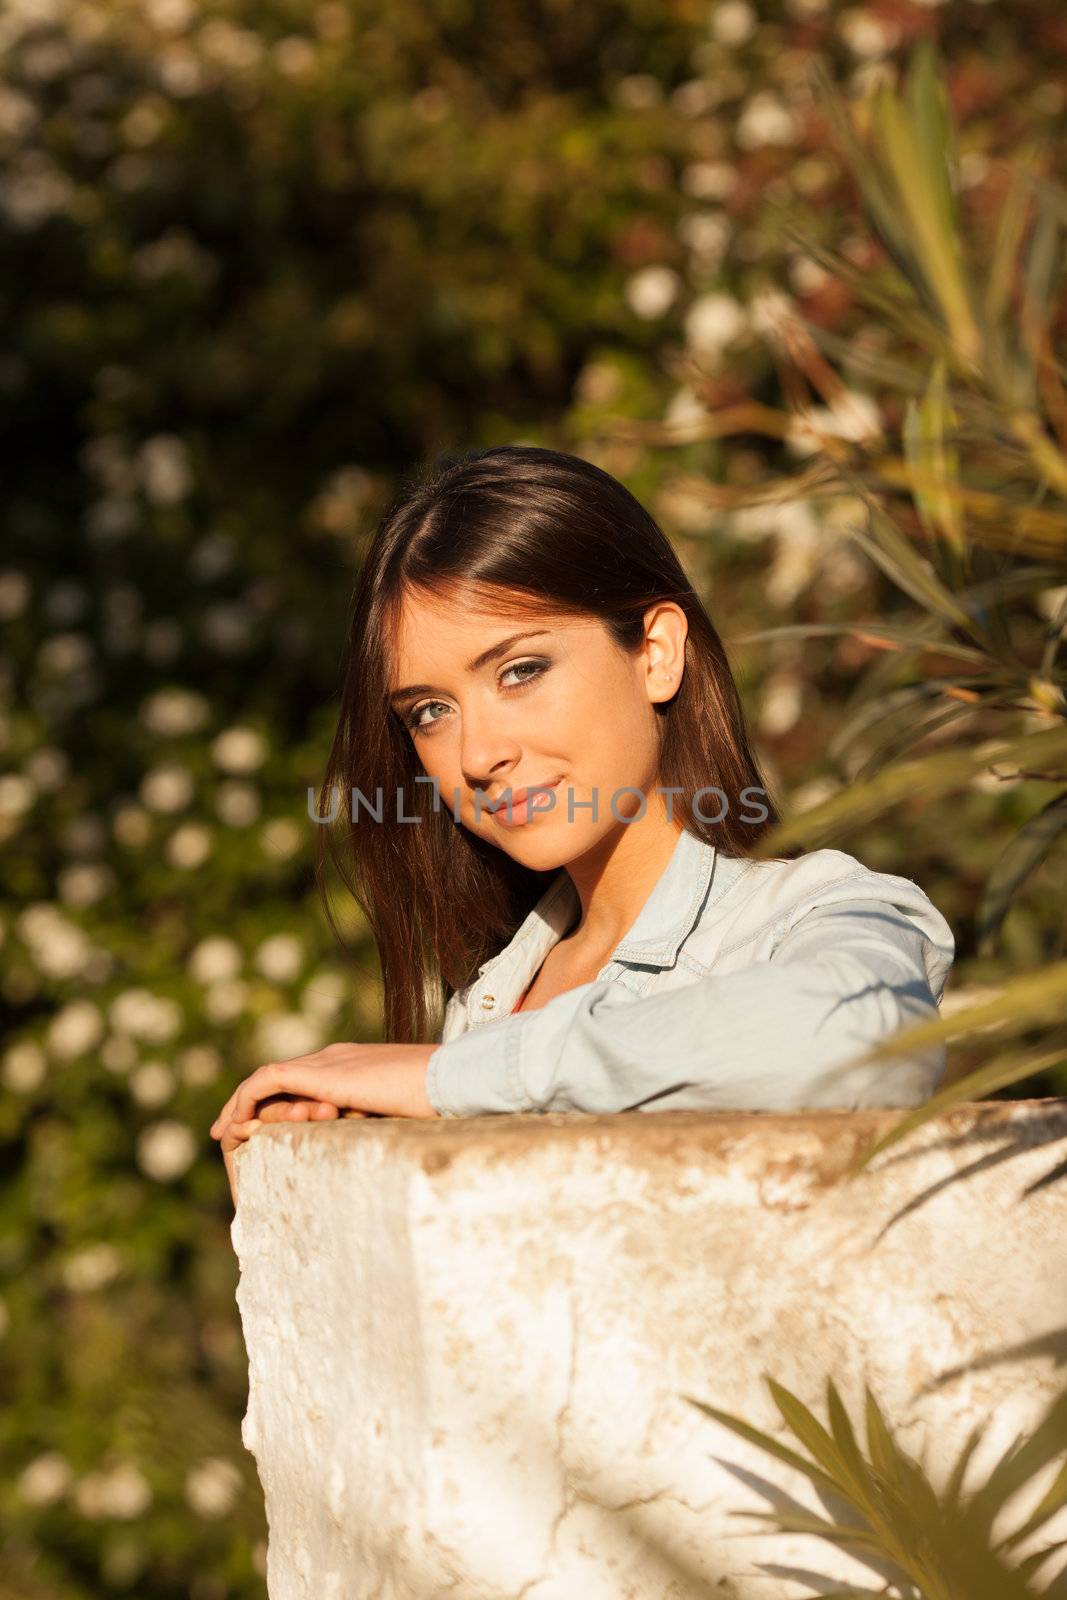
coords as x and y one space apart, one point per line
776 1036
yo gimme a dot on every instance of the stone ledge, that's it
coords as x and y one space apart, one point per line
470 1339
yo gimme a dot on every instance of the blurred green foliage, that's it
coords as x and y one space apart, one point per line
255 259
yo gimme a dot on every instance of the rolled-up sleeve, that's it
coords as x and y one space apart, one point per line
778 1035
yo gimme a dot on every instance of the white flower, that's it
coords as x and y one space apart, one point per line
652 291
212 1487
638 91
132 826
18 114
237 804
684 408
153 1084
45 1480
165 470
798 555
188 846
118 1053
199 1065
227 627
65 653
167 788
215 958
16 794
294 56
47 767
14 595
223 1002
765 120
24 1067
171 712
239 750
120 1491
712 322
280 838
170 16
144 1015
280 957
91 1268
866 35
60 948
780 704
85 883
710 180
806 275
288 1034
732 22
74 1030
812 794
854 416
705 233
166 1149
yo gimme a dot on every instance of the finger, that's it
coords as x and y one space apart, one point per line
322 1111
307 1077
281 1111
238 1133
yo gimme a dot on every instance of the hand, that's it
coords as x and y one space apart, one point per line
387 1078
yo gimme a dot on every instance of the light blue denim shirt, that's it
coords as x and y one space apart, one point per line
741 985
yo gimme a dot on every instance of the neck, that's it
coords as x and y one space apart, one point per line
615 878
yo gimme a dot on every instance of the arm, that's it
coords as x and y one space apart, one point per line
769 1037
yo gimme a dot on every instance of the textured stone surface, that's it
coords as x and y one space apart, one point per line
470 1340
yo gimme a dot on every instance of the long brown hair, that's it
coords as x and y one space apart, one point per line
541 531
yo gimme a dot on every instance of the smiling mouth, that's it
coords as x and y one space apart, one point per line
520 797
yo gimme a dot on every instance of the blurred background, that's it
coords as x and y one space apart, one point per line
257 259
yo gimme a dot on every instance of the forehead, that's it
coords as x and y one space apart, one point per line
461 622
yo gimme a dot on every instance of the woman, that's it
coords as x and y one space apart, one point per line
605 942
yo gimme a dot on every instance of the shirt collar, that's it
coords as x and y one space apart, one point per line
664 921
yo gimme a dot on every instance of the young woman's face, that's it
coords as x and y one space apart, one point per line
551 701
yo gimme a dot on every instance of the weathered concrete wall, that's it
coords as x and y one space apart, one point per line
469 1340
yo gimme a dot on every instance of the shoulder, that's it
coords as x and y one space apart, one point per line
770 898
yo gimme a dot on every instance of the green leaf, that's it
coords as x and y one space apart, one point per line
978 1085
781 1452
928 775
934 463
1025 852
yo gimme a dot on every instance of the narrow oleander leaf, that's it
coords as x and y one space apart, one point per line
842 1534
930 775
911 638
811 1433
1024 853
844 1438
1052 1501
934 132
1008 1068
1021 1462
954 1485
781 1452
1021 1003
932 239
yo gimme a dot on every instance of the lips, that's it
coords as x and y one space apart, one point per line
519 795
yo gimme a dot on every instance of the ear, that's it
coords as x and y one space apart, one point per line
666 630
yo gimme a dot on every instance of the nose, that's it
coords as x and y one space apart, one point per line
488 753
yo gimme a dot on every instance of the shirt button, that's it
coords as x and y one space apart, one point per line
488 1002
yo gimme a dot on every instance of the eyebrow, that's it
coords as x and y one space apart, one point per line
492 654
